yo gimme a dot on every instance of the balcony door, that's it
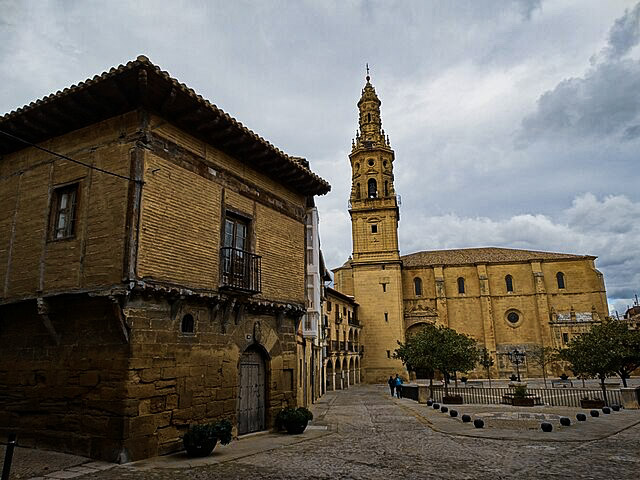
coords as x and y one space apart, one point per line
235 262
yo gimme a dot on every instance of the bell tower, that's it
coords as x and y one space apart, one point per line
376 265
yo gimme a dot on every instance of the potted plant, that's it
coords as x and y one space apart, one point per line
520 398
293 420
200 440
587 402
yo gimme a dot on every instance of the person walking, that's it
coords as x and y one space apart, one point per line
398 382
392 384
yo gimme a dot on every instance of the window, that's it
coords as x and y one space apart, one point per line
187 325
417 286
460 285
384 287
368 117
560 279
509 282
372 190
374 228
386 316
388 353
328 306
513 317
239 267
63 212
386 188
344 310
357 190
371 162
565 338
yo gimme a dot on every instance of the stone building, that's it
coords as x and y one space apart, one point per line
344 349
152 278
504 298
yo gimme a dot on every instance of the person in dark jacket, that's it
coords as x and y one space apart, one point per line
392 384
398 382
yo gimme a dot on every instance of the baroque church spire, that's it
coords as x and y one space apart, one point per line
370 133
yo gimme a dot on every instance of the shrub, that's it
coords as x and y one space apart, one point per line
520 391
291 415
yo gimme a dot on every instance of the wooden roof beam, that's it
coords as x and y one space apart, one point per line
169 101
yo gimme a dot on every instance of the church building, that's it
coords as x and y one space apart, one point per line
503 298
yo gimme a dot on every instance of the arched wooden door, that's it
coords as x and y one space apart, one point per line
251 397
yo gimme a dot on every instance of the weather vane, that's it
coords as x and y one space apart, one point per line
367 71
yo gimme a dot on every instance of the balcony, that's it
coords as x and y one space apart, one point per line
240 270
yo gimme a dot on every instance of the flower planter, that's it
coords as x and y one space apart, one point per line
522 402
202 449
591 403
295 428
452 399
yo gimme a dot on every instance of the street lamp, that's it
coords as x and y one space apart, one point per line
517 358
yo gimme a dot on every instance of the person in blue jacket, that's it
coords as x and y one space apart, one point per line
398 386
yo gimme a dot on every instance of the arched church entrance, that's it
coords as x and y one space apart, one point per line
252 393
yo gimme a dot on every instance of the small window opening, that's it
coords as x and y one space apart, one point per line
63 214
187 324
383 267
417 286
386 316
328 306
460 285
357 190
344 310
388 353
368 117
370 162
509 282
384 287
374 228
565 338
560 278
386 188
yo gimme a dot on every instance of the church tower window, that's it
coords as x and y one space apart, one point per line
357 190
372 188
509 282
374 228
368 117
386 188
460 285
560 279
417 286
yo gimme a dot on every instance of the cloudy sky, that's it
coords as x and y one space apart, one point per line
515 123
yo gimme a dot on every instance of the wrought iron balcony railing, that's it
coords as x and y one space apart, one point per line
240 270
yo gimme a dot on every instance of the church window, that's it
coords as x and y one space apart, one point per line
357 190
509 282
368 117
513 317
560 279
460 285
371 162
374 228
417 285
386 188
187 324
384 164
328 306
357 166
565 338
372 188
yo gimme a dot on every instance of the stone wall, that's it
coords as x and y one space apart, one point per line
68 396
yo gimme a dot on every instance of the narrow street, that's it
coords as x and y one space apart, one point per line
372 436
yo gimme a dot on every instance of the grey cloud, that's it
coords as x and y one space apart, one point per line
602 103
527 7
625 33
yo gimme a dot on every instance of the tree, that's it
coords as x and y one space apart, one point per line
542 357
439 348
486 361
608 349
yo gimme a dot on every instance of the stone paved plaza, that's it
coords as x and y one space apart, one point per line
362 433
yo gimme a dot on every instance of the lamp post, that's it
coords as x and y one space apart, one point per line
517 357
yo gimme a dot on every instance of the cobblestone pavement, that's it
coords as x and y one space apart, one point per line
372 436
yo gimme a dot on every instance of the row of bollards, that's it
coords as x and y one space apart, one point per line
545 426
8 456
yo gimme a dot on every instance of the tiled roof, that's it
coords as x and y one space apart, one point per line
464 256
141 83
